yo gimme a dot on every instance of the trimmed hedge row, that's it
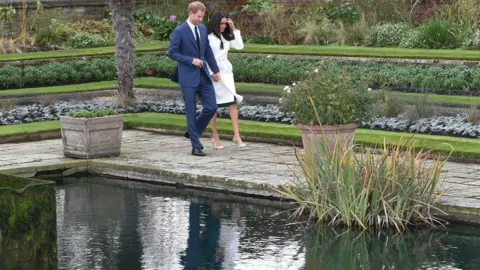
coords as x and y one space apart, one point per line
452 79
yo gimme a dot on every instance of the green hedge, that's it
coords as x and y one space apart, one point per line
261 69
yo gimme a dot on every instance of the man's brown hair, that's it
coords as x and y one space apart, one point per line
194 7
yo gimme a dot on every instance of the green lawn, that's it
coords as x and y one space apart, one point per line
463 147
269 49
242 88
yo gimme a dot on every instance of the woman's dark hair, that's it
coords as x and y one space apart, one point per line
214 27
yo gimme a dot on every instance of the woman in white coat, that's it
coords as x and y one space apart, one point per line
222 36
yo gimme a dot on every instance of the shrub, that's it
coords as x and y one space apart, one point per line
393 189
85 40
56 33
330 97
442 34
346 13
474 42
412 39
160 28
386 35
95 27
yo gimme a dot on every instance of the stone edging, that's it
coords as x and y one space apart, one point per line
454 213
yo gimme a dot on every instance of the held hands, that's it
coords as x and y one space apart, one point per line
197 62
216 77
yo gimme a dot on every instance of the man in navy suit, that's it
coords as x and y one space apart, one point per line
190 48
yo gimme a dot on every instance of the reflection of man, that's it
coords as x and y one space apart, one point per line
202 243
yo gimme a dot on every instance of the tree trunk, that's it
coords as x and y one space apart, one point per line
123 25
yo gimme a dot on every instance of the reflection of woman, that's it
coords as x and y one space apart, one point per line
222 35
230 233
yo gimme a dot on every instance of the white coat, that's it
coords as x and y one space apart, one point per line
225 91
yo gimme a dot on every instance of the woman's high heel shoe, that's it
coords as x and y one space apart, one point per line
239 144
215 146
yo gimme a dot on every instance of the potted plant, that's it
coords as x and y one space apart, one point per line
92 134
328 105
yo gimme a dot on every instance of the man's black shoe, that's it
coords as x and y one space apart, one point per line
198 152
187 135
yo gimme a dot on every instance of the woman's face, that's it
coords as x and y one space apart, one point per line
223 25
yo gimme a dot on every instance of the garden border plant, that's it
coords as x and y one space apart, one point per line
454 79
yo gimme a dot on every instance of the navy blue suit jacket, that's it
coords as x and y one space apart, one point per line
183 48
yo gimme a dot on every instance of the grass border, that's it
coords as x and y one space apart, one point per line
341 51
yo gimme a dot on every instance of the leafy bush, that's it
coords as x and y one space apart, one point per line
386 35
85 40
346 13
393 189
93 113
160 28
56 33
474 42
102 28
442 34
412 39
330 97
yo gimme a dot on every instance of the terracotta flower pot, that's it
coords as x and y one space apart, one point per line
312 136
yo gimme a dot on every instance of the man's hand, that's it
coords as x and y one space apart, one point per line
197 62
216 77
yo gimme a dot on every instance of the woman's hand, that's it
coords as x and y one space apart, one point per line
230 23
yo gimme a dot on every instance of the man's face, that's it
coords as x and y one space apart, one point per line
196 18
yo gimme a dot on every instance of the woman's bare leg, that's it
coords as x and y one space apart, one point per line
236 131
215 137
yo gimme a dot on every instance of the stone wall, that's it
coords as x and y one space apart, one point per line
67 10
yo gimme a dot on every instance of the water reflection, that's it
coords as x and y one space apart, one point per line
104 226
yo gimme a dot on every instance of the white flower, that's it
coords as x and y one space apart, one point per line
280 100
316 70
293 84
369 89
286 88
288 91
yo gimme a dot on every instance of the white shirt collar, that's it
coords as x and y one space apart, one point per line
191 25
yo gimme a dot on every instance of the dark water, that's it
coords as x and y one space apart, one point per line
137 226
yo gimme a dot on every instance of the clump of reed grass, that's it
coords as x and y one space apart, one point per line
391 188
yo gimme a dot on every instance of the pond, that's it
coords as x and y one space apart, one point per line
113 224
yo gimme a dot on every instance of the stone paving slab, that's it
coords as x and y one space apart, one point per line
253 170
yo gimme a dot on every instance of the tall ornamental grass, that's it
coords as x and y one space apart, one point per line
391 189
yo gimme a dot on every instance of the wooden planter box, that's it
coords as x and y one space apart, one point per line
92 137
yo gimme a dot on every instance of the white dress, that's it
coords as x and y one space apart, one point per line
225 91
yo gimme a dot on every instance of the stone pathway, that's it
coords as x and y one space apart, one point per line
259 164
